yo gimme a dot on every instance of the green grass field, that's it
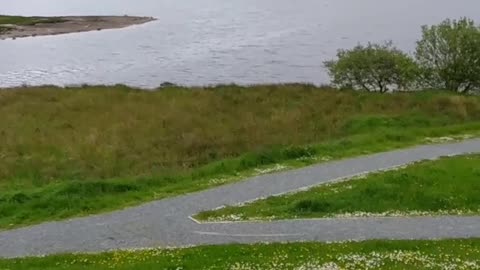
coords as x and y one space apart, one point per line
447 254
446 186
78 151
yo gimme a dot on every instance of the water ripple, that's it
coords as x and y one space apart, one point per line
214 41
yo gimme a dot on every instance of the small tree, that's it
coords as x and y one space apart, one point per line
373 68
449 55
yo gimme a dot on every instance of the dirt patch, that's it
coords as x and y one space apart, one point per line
71 24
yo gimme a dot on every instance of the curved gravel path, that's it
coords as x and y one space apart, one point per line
166 223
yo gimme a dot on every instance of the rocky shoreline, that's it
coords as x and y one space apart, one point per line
70 24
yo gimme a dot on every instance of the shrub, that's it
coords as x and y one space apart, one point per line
449 55
373 67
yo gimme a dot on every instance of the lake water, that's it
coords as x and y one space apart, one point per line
197 42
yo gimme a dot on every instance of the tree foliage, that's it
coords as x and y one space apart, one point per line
449 55
375 67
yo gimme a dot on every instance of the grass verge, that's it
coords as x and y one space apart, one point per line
448 186
83 150
446 254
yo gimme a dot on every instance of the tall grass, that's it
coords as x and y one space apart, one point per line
81 150
50 134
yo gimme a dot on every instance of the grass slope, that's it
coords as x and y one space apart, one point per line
446 186
447 254
77 151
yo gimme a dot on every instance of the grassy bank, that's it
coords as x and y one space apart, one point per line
446 186
21 20
77 151
451 254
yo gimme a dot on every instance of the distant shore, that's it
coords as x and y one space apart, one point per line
18 27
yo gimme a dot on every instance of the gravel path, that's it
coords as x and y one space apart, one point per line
166 223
